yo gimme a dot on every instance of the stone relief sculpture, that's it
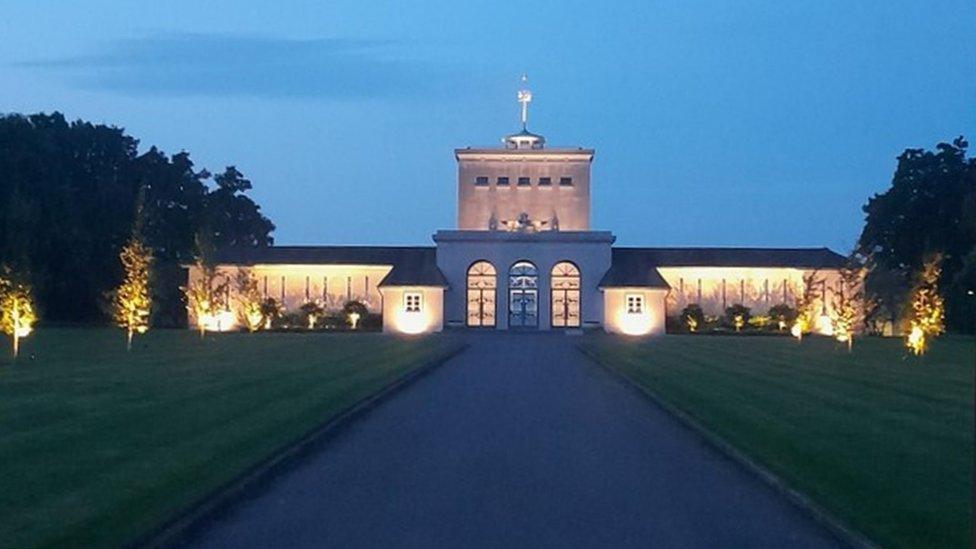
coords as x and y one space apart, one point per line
524 224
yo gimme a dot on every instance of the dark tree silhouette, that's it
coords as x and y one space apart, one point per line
68 198
929 208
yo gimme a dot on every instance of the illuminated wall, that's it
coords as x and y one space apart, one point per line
477 203
398 318
293 285
716 288
649 321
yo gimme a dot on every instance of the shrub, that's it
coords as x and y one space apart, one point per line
270 312
312 312
737 315
372 321
355 308
290 320
693 317
334 321
782 316
674 325
759 322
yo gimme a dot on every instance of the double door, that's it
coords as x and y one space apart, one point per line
523 308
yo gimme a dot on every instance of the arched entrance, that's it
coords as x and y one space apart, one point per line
565 298
482 282
523 295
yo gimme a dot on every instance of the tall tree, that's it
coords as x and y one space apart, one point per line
68 193
928 209
849 303
132 300
248 299
926 316
17 315
232 217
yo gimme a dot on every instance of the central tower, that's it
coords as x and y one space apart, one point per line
524 186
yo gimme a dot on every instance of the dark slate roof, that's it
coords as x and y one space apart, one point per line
807 258
632 270
412 265
637 267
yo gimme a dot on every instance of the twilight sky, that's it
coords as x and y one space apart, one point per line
715 123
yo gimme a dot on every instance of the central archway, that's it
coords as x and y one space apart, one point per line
523 295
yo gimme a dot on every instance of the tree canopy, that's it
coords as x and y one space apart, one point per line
930 208
71 193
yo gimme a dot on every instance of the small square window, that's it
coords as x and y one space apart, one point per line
481 181
524 182
635 304
411 302
545 181
565 181
503 181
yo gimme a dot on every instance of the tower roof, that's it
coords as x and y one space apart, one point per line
524 140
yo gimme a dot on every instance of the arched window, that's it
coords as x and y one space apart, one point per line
523 295
482 281
565 298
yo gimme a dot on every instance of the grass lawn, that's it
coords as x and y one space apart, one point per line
98 445
883 440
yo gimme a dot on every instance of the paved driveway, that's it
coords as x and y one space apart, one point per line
520 441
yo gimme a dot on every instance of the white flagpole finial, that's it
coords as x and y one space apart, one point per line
525 97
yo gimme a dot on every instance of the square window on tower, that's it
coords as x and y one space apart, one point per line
565 181
523 182
545 181
481 181
503 181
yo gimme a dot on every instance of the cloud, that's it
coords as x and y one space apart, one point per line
230 65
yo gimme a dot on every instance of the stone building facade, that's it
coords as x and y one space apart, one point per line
525 257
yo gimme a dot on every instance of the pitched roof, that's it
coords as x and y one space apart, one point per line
412 265
800 258
637 267
632 274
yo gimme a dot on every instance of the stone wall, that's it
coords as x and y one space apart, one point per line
478 204
716 288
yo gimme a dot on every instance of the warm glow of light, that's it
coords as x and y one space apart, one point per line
354 320
843 333
253 318
413 322
132 300
825 326
916 339
16 311
635 324
221 322
927 311
739 321
797 330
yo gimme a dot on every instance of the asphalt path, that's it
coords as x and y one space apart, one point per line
520 441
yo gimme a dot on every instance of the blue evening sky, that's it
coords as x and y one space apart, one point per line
715 123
